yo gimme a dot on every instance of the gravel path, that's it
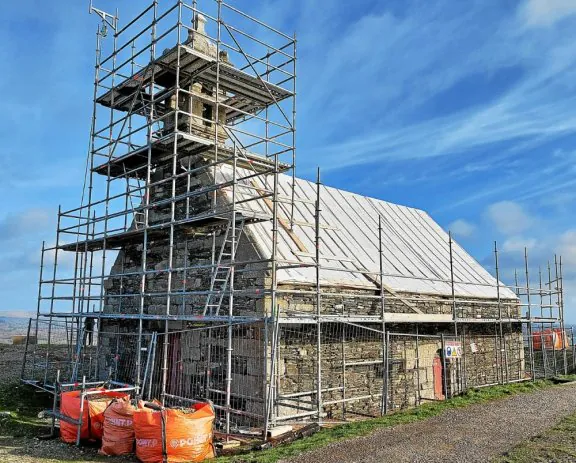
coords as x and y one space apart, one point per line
473 434
32 450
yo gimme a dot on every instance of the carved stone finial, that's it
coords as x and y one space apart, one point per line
197 35
201 24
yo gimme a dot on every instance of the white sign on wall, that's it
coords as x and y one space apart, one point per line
452 349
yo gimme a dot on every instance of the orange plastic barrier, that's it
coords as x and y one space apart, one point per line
92 416
118 432
553 339
188 434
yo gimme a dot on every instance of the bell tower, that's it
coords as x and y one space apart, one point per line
187 145
197 99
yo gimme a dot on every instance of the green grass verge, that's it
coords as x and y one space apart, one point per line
565 379
362 428
19 408
558 444
20 405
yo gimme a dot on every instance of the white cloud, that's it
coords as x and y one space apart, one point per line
569 290
509 217
567 248
561 202
462 228
30 221
518 244
547 12
66 260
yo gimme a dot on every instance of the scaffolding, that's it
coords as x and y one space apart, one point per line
192 148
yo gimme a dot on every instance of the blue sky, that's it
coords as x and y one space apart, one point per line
464 109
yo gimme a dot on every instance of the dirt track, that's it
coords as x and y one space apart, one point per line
477 433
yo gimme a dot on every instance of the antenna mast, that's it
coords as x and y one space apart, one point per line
107 18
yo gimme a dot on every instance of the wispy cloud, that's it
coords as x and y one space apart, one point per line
518 244
462 228
390 69
509 217
547 12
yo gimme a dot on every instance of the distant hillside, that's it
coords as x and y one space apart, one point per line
10 326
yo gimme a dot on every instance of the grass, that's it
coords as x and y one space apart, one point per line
565 379
362 428
558 444
19 408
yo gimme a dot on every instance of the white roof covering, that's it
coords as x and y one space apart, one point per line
416 251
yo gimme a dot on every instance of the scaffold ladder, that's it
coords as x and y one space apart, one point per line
223 268
136 200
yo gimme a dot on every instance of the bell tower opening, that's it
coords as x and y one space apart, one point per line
197 99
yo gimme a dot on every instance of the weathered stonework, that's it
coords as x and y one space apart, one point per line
353 366
353 363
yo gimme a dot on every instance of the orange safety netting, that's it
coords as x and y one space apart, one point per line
118 432
92 415
174 436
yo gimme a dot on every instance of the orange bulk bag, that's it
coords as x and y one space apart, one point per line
118 431
92 415
188 434
548 339
537 340
560 339
553 339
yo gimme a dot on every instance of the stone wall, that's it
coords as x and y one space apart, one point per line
353 366
362 302
191 260
188 286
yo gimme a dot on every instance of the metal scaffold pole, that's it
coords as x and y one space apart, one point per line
541 294
560 303
529 316
272 314
145 235
452 288
230 331
318 302
38 310
384 405
52 295
269 313
293 189
444 366
502 343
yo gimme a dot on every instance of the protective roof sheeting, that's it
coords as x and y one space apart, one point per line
416 253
